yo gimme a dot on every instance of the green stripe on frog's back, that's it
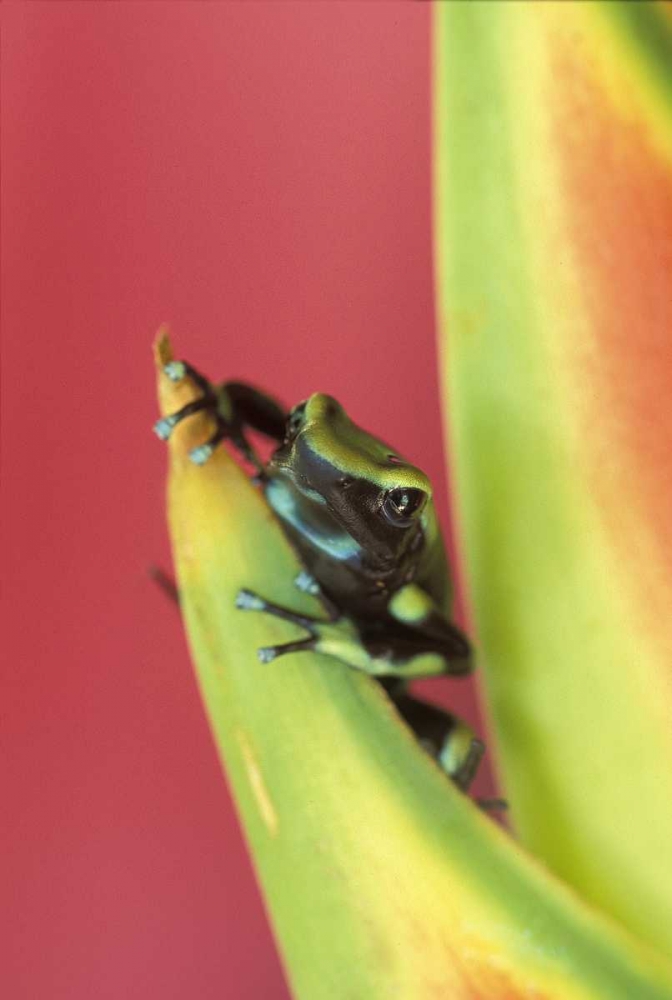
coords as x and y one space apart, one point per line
332 436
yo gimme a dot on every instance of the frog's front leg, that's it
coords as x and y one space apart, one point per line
399 651
336 637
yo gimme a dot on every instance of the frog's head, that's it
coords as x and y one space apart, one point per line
340 473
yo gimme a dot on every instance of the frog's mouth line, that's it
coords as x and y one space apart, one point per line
321 519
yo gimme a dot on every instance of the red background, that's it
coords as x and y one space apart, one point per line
259 176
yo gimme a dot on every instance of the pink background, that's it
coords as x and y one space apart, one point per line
259 176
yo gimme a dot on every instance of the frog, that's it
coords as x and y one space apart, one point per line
363 523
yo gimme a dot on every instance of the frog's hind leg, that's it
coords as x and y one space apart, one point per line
451 742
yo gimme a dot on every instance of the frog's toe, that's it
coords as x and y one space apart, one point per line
267 654
246 600
175 370
493 805
307 584
461 755
163 428
201 454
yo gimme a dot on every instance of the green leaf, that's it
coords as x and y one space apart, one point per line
381 879
553 180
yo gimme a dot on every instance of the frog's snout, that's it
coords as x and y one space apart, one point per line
321 407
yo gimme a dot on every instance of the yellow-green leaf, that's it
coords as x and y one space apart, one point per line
554 235
382 880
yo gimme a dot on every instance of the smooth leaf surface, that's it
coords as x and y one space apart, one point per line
554 244
382 881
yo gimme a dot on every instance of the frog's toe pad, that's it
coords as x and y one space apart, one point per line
175 370
201 454
307 584
163 428
247 601
266 654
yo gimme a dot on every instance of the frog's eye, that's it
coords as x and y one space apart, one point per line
294 421
402 506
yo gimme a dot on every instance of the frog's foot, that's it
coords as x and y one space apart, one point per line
246 600
163 428
337 637
379 655
213 399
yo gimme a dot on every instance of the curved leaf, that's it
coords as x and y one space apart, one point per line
554 238
380 878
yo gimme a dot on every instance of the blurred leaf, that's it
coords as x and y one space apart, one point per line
381 879
553 179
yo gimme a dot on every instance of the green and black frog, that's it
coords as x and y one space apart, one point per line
362 520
